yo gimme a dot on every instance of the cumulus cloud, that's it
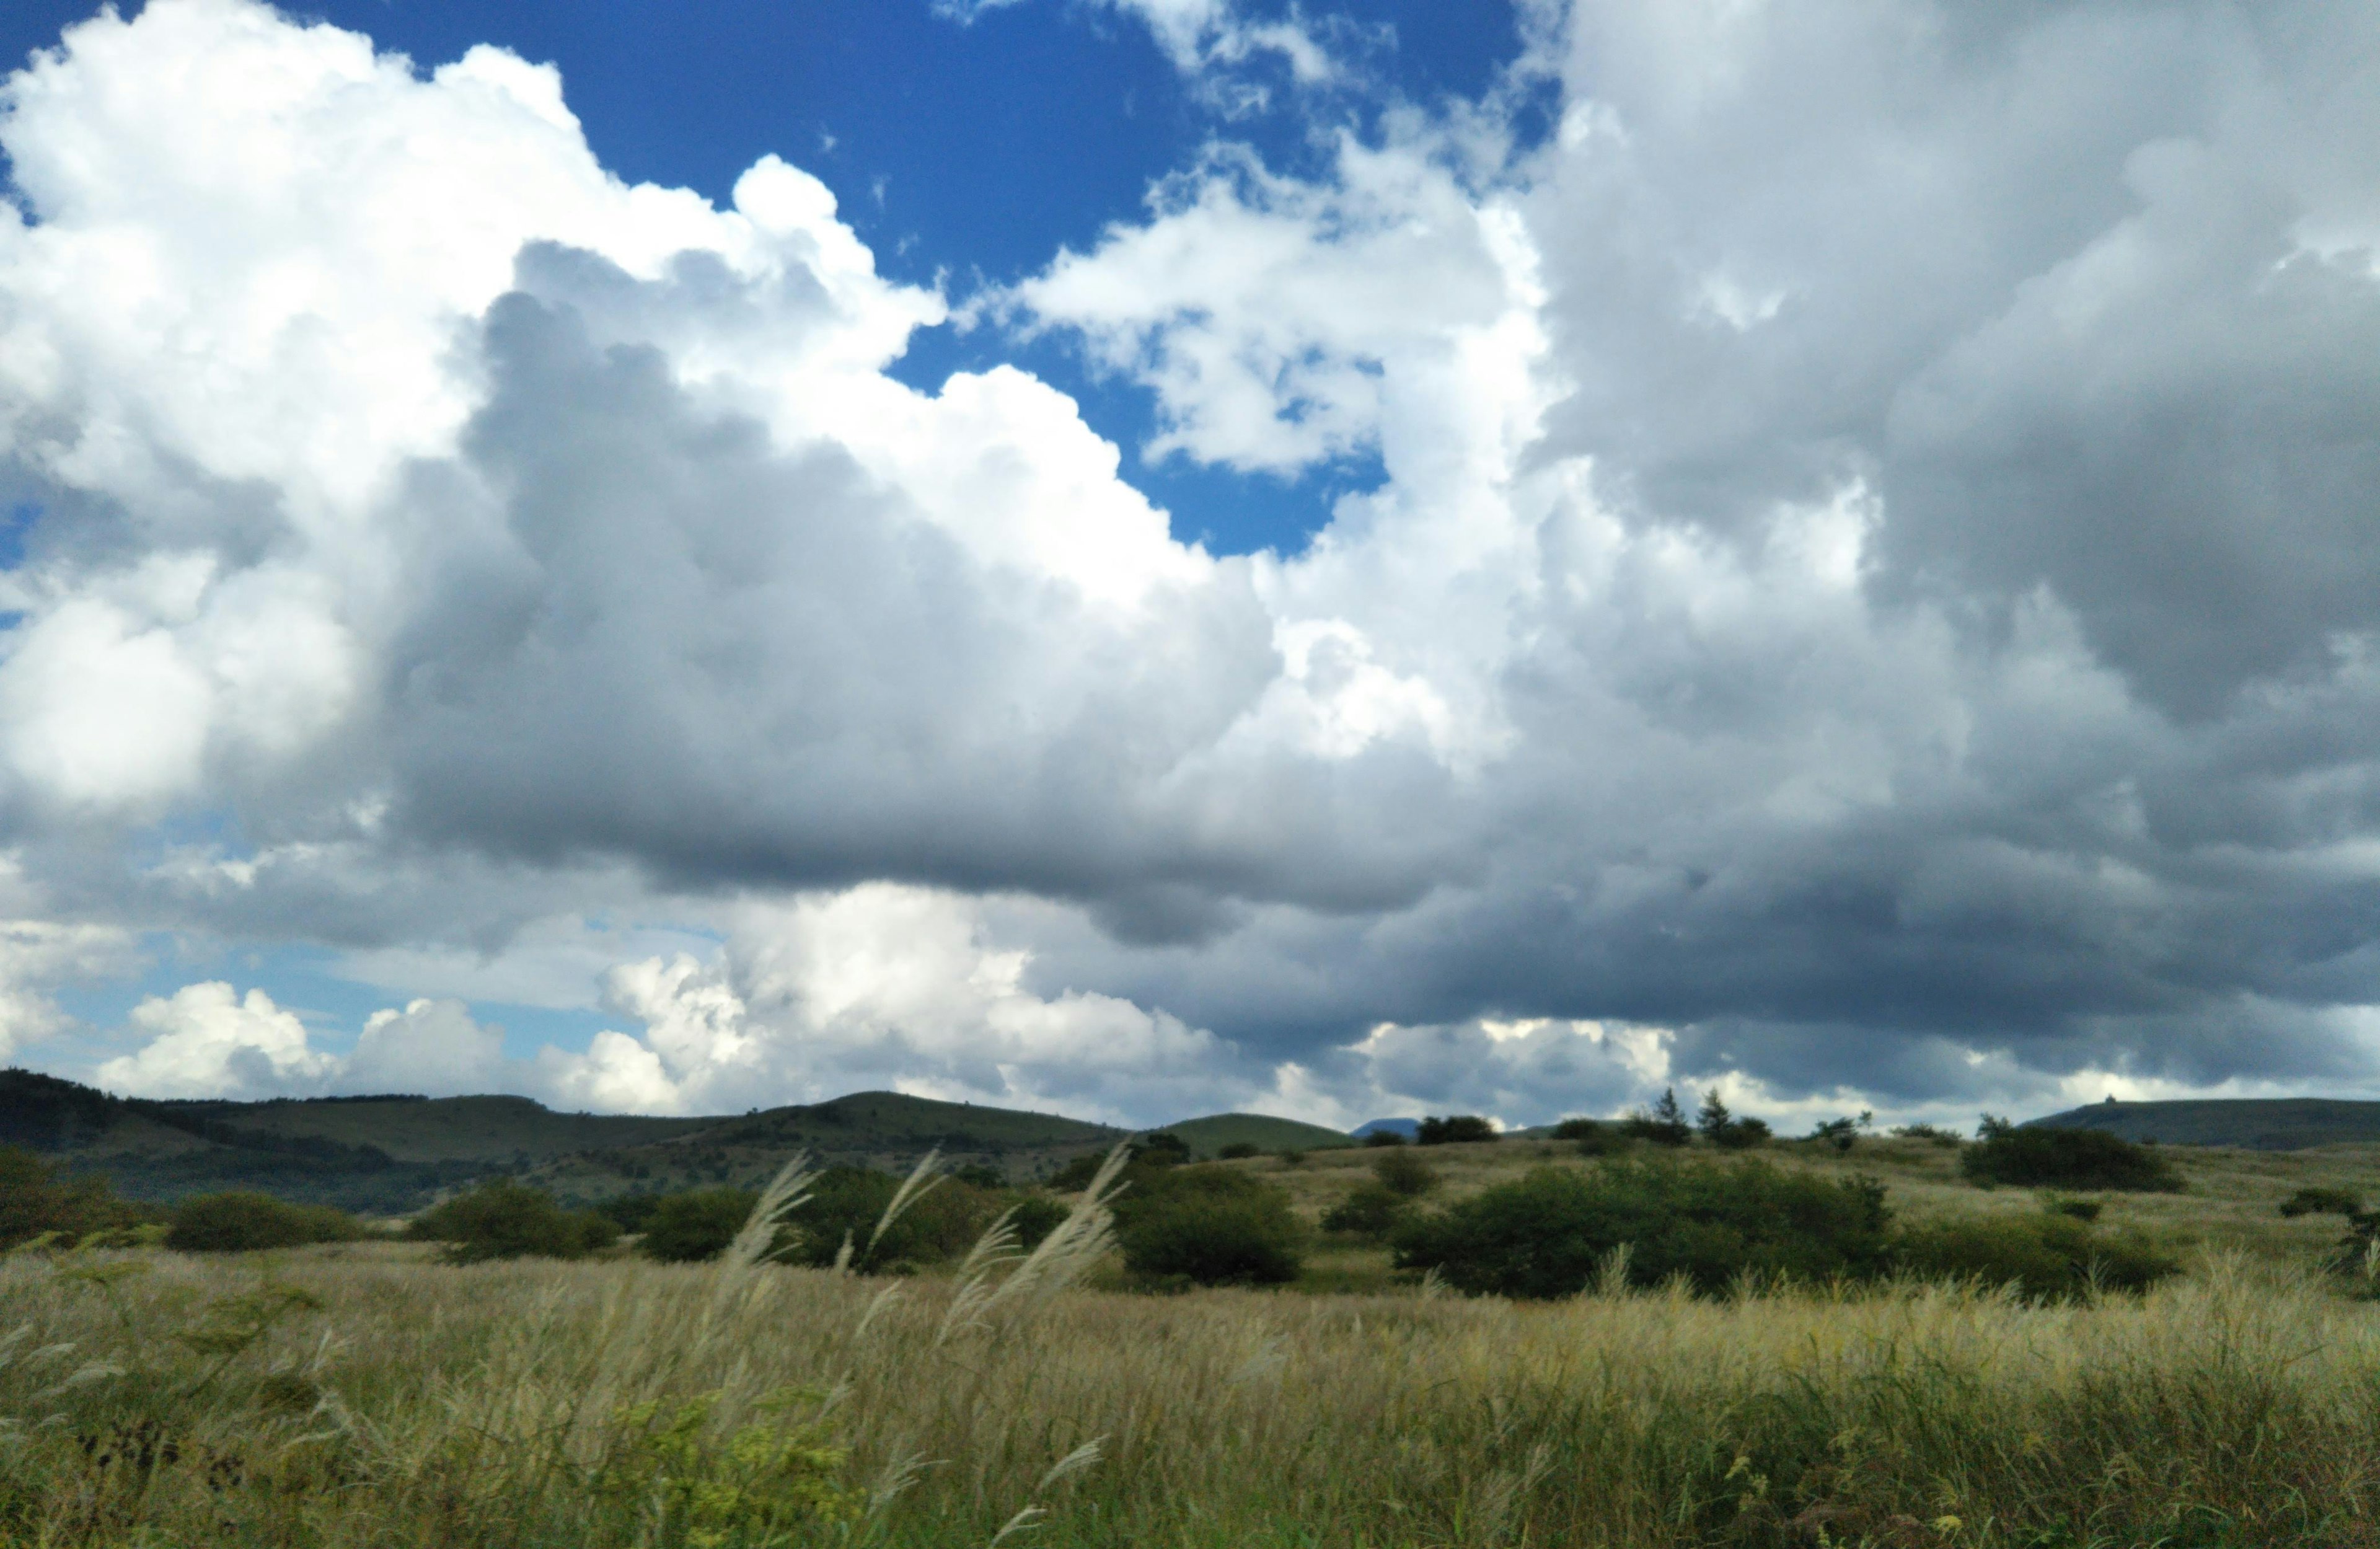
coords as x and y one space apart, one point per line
1867 590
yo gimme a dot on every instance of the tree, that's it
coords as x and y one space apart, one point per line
1714 1119
697 1226
1664 1126
1455 1129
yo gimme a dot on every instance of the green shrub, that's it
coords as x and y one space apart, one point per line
629 1211
2046 1256
1453 1130
1842 1133
1210 1227
2323 1202
1161 1150
1076 1175
1404 1174
1549 1233
244 1222
694 1226
1933 1134
1370 1210
941 1223
2039 1158
1239 1150
1383 1137
2080 1209
1035 1217
36 1198
1593 1137
507 1219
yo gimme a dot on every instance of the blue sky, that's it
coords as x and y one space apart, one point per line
1337 559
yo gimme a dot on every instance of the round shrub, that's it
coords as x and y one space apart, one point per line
507 1219
2039 1158
1210 1227
1370 1210
1404 1174
1239 1150
941 1224
1383 1137
243 1222
694 1226
1549 1233
1453 1130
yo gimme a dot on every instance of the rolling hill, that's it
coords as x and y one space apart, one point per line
2254 1124
391 1154
1207 1136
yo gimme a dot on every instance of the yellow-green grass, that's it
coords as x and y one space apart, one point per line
423 1405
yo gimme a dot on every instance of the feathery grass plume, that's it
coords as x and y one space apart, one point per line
785 1193
916 1186
1073 1249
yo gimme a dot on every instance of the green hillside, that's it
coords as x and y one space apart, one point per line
442 1128
1207 1136
2254 1124
865 1129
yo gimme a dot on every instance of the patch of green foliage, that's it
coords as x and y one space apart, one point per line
848 1204
1453 1130
2039 1158
2323 1202
1239 1150
1662 1125
1593 1137
1369 1211
1843 1133
2049 1257
37 1198
1405 1175
1550 1232
1383 1137
241 1221
507 1219
1035 1216
694 1226
1209 1227
1727 1132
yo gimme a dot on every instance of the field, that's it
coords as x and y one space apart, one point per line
364 1395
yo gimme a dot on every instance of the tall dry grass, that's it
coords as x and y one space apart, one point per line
384 1400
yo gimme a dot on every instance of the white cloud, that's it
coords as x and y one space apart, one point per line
208 1041
432 1047
1870 567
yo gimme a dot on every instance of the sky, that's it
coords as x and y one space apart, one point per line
1143 558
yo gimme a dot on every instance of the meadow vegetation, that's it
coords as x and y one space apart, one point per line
1951 1365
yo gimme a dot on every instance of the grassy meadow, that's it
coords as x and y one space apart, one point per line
365 1394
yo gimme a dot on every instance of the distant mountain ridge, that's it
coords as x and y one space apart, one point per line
395 1152
2249 1123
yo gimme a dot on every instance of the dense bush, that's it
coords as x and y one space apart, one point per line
629 1211
1210 1227
1593 1138
1161 1150
1453 1130
1405 1175
2323 1202
1239 1150
507 1219
2046 1256
694 1226
1383 1137
2039 1158
1549 1233
849 1203
36 1197
244 1222
1369 1210
1933 1134
1842 1133
1035 1217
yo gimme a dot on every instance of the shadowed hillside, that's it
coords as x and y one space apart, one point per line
2253 1124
